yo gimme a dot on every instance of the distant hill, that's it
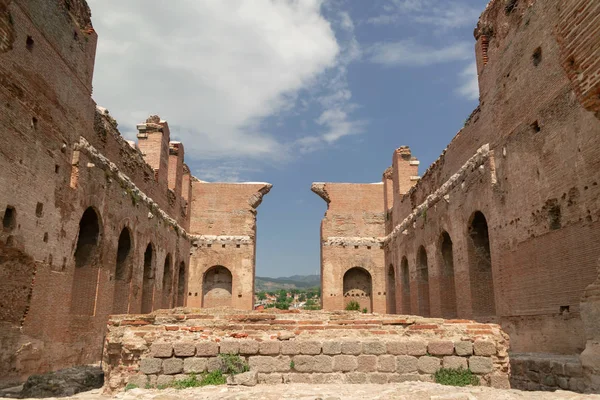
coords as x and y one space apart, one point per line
290 282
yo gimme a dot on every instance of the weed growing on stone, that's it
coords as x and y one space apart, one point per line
131 386
292 364
353 306
210 378
364 310
234 364
456 377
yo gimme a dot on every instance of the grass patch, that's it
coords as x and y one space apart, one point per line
456 377
353 306
193 380
131 386
233 364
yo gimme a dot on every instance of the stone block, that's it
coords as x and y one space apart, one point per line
150 366
463 348
577 385
270 379
386 363
303 363
351 347
406 364
172 366
366 363
328 378
269 348
416 348
323 363
207 349
428 365
344 363
573 370
194 365
356 377
441 348
454 362
331 347
548 380
297 378
376 348
214 364
558 368
394 378
310 347
229 347
248 347
499 382
378 378
164 380
161 350
141 380
480 365
290 347
484 348
396 348
544 366
249 378
184 349
268 364
533 376
563 382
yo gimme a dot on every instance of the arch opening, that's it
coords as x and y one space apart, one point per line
480 267
405 283
358 287
167 283
87 264
217 286
148 280
181 286
391 290
423 282
123 272
447 284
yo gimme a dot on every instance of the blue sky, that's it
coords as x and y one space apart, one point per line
290 92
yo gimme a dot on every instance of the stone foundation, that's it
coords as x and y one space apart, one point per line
548 372
300 347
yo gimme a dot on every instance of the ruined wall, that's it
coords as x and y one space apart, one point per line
310 347
223 229
516 191
79 206
351 254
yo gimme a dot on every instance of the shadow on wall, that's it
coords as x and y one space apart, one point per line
358 287
217 287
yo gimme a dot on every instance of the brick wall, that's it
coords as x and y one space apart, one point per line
536 186
222 265
351 252
314 347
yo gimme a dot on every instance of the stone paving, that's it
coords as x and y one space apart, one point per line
406 390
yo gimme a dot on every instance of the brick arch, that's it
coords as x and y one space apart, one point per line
391 289
447 283
180 301
123 272
167 282
480 266
405 285
358 286
423 282
217 287
148 279
87 257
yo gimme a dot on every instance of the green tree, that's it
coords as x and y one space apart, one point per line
261 295
302 297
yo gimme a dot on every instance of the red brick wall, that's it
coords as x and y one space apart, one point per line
538 189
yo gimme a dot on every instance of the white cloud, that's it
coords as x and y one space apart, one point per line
213 69
440 14
409 53
470 83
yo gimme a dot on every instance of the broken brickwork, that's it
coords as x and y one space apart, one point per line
504 226
92 224
222 265
300 347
